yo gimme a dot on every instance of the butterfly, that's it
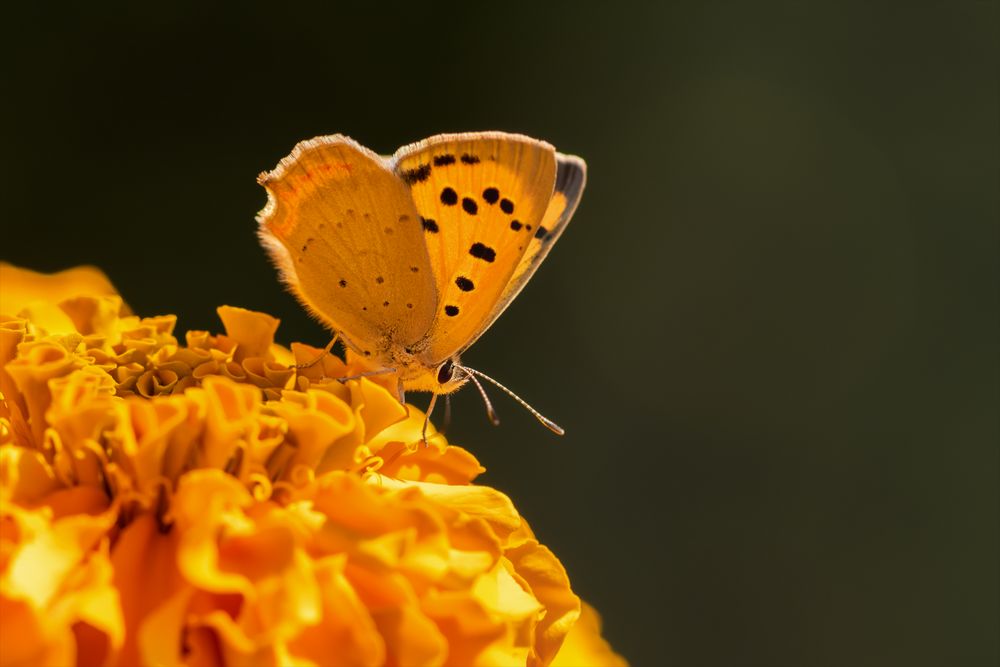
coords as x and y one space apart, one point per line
410 258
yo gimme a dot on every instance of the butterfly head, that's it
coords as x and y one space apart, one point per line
448 377
418 375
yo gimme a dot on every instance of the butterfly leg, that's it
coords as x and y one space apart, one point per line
427 417
326 351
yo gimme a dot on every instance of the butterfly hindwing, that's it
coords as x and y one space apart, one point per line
481 198
345 233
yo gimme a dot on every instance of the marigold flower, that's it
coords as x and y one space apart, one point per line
204 502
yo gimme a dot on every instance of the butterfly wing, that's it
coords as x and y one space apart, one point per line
347 238
571 177
481 196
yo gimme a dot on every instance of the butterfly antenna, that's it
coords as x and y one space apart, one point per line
491 414
427 417
548 423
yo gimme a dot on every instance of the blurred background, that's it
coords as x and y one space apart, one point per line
770 332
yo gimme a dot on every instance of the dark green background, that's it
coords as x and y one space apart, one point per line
771 331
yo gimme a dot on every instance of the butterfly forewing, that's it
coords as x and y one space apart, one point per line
345 233
481 198
571 177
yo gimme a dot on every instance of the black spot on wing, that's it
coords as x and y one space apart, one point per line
379 279
483 252
470 159
442 160
491 195
451 311
516 225
342 283
417 174
540 234
449 197
507 206
429 225
464 284
469 206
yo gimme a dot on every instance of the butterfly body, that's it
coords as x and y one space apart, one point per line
410 258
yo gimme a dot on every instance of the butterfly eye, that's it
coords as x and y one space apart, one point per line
445 372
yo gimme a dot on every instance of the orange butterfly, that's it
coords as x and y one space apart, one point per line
410 258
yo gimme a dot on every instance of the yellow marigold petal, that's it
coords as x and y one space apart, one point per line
147 578
75 500
158 436
584 645
375 409
475 638
346 624
231 419
411 638
252 331
161 636
315 421
378 408
56 576
257 555
92 314
31 371
19 287
356 512
13 332
206 503
404 456
266 374
98 624
548 582
83 626
25 476
504 596
202 648
47 319
81 407
282 355
438 462
49 552
25 639
235 647
476 501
